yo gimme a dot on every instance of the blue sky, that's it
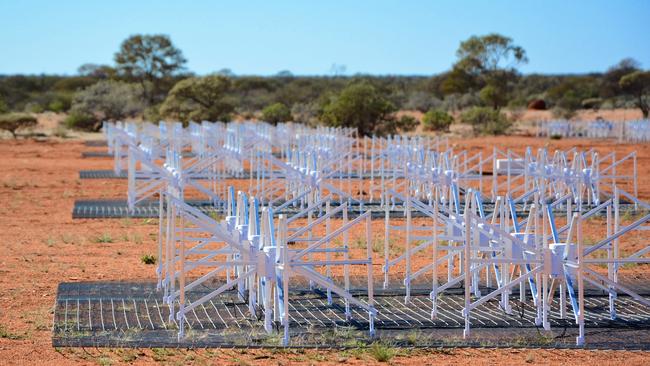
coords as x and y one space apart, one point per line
307 37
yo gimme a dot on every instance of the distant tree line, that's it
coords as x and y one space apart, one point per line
148 80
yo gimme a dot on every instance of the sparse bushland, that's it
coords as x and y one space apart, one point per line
148 80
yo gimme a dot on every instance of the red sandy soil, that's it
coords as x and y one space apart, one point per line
42 246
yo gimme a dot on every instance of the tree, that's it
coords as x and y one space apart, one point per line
494 95
96 71
16 121
492 59
610 87
458 81
360 105
199 98
637 84
149 59
73 84
226 72
489 53
109 100
338 70
406 123
570 93
284 74
276 112
82 121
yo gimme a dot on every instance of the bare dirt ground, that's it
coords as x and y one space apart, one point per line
42 246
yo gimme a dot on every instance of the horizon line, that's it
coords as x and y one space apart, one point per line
344 76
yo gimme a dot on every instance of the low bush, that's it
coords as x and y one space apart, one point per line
407 123
82 121
148 259
13 122
60 103
56 106
486 121
381 352
109 100
437 120
276 112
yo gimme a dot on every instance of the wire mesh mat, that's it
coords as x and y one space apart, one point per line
132 314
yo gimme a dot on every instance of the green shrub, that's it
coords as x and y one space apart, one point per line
82 121
16 121
148 259
56 106
407 123
486 120
109 100
276 112
381 352
3 107
104 238
7 334
60 103
437 120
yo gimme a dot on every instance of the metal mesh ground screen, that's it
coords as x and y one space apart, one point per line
118 314
117 208
96 143
110 174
